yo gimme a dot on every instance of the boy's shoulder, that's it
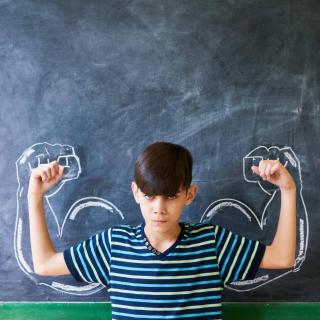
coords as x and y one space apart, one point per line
199 227
202 227
125 230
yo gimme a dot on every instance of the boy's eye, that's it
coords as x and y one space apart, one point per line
172 197
148 197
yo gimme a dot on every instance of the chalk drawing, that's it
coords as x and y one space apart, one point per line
289 159
39 154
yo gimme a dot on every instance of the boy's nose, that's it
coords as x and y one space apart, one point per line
159 206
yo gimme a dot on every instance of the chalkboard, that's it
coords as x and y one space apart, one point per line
93 82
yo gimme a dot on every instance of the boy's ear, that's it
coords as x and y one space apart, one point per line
135 189
191 193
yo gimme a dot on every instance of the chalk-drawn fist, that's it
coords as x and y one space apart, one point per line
44 177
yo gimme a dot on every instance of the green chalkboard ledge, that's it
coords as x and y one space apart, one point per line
97 311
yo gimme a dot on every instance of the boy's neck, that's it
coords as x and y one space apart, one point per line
162 240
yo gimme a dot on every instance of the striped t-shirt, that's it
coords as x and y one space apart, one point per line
184 282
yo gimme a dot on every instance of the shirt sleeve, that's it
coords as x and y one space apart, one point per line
238 258
89 261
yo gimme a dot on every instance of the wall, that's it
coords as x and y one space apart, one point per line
92 83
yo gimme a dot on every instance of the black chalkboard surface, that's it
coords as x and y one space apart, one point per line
93 82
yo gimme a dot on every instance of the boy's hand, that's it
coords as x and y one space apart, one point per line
44 177
274 172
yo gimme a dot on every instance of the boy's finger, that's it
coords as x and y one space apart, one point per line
43 175
54 172
59 173
262 168
54 169
267 171
48 172
275 168
61 169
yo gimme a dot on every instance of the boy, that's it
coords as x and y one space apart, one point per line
163 268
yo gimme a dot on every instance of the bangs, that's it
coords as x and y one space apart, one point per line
163 169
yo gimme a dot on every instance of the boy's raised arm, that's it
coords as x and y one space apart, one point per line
281 253
46 260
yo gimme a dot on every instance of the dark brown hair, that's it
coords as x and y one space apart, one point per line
162 168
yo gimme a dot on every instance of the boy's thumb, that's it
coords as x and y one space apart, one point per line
255 169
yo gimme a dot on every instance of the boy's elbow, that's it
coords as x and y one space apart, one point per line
272 260
289 263
285 263
51 266
40 271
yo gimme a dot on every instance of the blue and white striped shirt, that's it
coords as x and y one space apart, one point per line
184 282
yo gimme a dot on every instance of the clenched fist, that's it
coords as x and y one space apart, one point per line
44 177
274 172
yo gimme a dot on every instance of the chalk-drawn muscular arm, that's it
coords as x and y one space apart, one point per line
46 260
281 253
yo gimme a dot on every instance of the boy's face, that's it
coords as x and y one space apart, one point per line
161 213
